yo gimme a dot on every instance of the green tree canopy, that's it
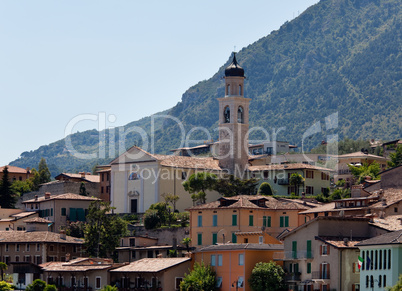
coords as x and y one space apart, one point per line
7 198
365 170
296 180
201 278
198 183
4 286
3 267
229 186
396 158
103 231
37 285
267 277
44 173
265 189
397 286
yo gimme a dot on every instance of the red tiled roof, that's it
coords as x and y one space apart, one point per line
361 155
151 265
37 220
190 162
36 236
87 177
14 169
341 243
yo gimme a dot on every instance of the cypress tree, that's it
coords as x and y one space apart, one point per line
7 199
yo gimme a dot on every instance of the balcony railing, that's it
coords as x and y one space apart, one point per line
295 255
320 275
283 181
292 277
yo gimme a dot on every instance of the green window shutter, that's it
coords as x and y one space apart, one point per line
215 220
294 249
251 220
73 214
281 221
199 220
286 221
214 238
234 219
308 268
309 255
199 239
234 238
51 211
63 212
269 221
80 214
264 221
296 268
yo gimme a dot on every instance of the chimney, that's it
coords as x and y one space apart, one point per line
82 174
88 173
63 234
47 195
356 191
28 169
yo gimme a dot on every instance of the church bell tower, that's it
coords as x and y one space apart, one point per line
233 122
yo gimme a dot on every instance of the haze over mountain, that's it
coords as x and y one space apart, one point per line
340 58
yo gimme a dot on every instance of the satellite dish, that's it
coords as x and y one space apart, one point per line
222 233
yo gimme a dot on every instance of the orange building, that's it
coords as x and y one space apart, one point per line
243 218
15 173
234 263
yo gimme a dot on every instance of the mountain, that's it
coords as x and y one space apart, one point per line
336 66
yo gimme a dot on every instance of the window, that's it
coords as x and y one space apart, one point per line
7 260
234 219
102 190
27 247
308 268
265 175
266 221
98 282
213 260
379 281
17 258
294 249
240 282
325 271
371 281
199 239
63 212
240 90
385 259
376 260
240 115
389 259
177 282
51 248
324 250
218 282
309 174
214 220
309 252
6 247
260 240
384 282
226 115
199 220
219 260
241 259
367 281
38 247
284 221
28 259
324 176
250 220
214 238
309 190
17 247
228 89
183 175
234 238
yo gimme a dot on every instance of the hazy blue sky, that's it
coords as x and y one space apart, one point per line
60 59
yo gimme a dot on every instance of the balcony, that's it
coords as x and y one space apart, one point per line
292 277
283 181
320 275
291 255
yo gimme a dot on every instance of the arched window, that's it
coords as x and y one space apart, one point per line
226 115
240 91
240 115
228 90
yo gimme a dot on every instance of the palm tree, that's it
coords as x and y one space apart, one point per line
186 241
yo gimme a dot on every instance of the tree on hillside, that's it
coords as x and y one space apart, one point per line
360 173
171 199
44 173
230 185
198 183
265 189
103 231
201 278
7 198
21 187
396 158
296 180
267 277
35 178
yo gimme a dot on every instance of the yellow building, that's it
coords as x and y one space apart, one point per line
244 219
234 263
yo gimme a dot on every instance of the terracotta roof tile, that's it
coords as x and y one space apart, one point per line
390 196
151 265
190 163
36 236
394 237
390 223
341 243
89 178
37 220
14 169
361 155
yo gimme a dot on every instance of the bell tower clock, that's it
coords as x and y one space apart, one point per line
233 122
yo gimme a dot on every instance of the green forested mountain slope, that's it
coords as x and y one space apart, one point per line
339 56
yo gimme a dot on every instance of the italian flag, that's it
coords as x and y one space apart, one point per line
360 262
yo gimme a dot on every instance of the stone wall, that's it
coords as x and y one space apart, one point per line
167 236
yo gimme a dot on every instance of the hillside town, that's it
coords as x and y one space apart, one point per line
220 206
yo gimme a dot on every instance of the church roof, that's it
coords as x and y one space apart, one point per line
234 69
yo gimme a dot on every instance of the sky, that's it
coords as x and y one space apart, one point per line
65 64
